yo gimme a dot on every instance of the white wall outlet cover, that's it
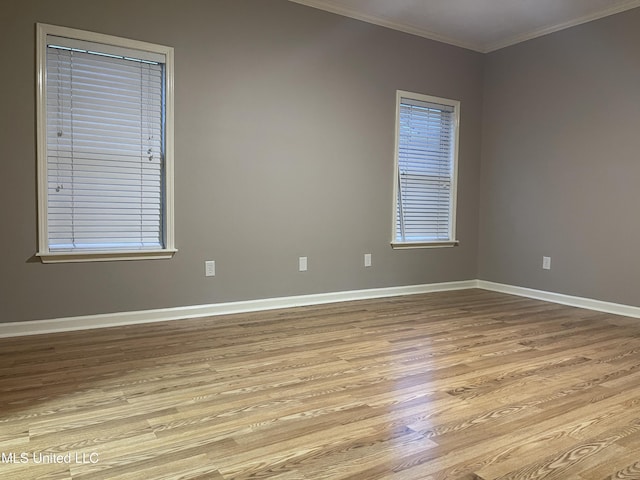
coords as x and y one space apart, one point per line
367 259
546 263
302 264
210 268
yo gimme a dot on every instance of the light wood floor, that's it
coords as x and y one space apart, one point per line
457 385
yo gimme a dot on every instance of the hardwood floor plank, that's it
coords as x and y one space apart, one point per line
469 385
630 472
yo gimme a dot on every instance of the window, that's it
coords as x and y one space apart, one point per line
105 147
425 171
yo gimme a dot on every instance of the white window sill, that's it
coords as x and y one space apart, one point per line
406 245
96 256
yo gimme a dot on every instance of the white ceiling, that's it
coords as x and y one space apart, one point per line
481 25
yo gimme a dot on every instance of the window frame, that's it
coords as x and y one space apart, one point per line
44 253
452 240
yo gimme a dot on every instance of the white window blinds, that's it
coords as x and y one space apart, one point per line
105 142
426 151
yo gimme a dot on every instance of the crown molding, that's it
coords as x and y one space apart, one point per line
383 22
482 48
561 26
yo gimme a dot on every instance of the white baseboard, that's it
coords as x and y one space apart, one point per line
581 302
86 322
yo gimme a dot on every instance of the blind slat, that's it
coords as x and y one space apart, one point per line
104 144
426 135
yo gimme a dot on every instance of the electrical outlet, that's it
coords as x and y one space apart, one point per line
367 259
210 268
302 264
546 263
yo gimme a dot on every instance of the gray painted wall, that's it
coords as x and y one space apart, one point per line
284 147
561 162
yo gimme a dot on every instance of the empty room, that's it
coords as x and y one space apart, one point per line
320 239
